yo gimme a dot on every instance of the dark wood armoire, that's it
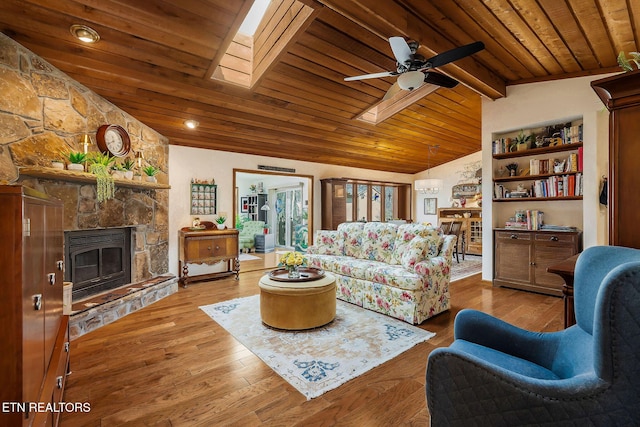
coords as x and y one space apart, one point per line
35 335
621 95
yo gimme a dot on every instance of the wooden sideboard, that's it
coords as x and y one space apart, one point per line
521 258
207 247
471 226
35 333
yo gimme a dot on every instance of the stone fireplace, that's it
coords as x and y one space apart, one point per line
45 115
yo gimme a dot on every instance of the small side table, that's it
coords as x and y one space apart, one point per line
265 243
565 269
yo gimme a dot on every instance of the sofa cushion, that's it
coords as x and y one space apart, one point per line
414 252
378 242
396 276
407 232
328 242
352 233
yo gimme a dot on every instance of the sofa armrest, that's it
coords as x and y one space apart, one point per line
429 266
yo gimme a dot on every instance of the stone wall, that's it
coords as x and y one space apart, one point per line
44 113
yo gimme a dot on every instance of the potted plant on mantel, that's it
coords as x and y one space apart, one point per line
99 166
77 160
151 172
128 165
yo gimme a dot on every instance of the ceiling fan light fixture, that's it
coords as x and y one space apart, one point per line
84 33
411 80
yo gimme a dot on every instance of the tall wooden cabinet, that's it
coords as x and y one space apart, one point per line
34 332
621 95
471 226
521 258
348 200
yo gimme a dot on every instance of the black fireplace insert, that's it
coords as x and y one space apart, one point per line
97 260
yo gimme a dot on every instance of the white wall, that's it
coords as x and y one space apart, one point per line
536 104
186 163
451 174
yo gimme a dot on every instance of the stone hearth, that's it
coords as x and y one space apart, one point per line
100 310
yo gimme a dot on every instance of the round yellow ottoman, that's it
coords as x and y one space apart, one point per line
298 305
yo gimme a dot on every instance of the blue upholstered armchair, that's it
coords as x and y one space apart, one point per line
496 374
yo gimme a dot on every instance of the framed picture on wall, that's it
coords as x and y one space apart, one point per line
244 204
430 206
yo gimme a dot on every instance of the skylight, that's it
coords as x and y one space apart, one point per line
253 18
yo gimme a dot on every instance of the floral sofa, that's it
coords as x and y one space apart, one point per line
399 270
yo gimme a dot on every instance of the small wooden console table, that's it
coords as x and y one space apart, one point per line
207 247
565 269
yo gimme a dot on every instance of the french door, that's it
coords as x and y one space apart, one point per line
290 218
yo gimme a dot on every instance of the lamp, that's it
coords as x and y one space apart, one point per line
85 143
266 208
139 157
411 80
428 185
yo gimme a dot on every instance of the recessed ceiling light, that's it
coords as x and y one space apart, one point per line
84 33
191 124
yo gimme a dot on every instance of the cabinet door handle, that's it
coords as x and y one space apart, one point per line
554 238
217 248
37 302
208 248
514 236
60 265
52 278
59 382
66 347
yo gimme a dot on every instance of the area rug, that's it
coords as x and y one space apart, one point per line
318 360
247 257
470 266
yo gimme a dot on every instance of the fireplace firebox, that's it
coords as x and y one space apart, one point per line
97 260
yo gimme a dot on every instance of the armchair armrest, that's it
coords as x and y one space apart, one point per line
453 376
488 331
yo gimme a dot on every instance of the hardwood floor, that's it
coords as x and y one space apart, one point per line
169 364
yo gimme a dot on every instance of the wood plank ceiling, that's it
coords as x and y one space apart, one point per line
155 59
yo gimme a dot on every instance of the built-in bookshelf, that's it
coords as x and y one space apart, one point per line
535 167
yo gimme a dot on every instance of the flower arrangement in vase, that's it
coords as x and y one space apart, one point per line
292 261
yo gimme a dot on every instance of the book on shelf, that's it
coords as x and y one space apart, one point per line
558 227
558 186
516 224
533 221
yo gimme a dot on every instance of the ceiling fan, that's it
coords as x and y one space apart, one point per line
413 70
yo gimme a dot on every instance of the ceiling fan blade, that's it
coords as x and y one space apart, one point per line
454 54
439 79
401 49
393 90
371 76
